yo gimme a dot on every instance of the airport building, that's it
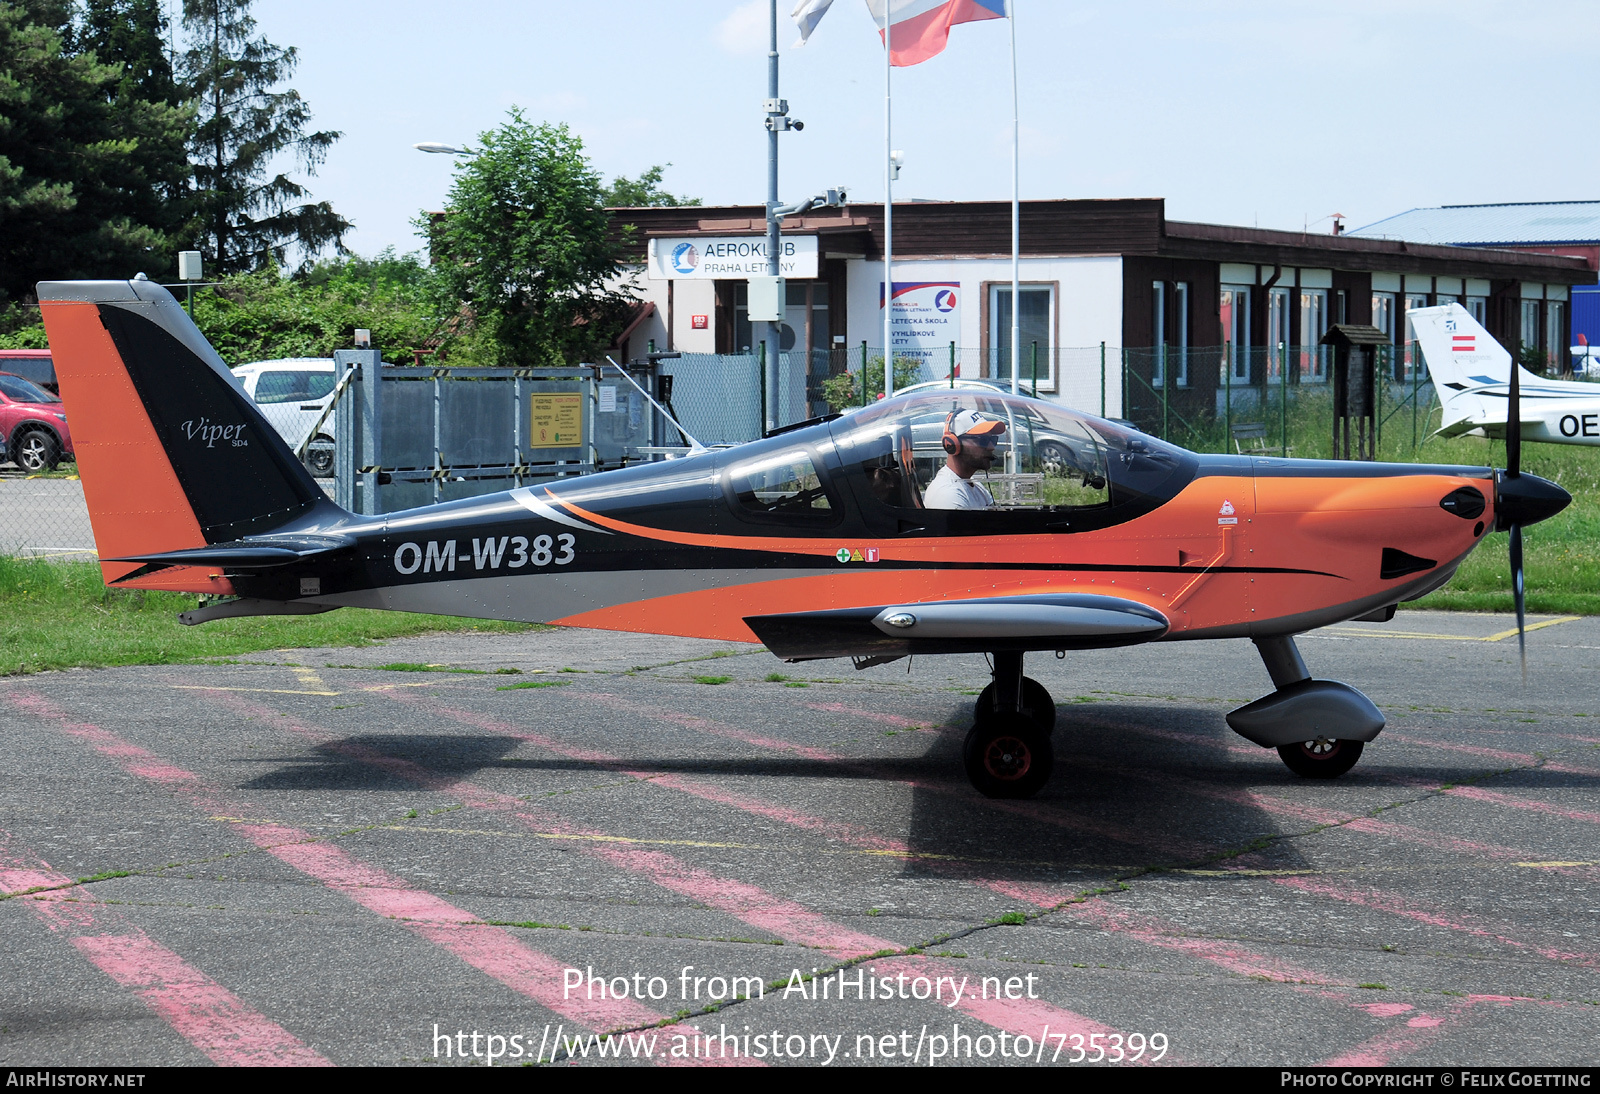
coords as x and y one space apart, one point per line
1540 227
1181 308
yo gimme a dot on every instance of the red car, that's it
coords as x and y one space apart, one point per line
32 425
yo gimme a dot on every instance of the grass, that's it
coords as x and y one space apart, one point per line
534 684
712 679
59 615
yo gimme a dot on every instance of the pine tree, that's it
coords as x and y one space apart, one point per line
84 168
248 220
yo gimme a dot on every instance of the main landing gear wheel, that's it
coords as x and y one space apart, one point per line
1008 756
1321 758
1036 704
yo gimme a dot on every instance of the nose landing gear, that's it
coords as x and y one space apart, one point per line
1007 751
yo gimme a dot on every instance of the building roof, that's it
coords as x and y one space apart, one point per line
1117 226
1529 223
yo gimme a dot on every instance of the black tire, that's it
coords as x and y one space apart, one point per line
1036 704
1322 758
35 451
319 457
1007 757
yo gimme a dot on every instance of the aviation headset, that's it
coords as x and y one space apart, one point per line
949 441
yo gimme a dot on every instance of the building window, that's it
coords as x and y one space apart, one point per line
1343 308
1277 330
1235 311
1555 333
1158 332
1529 333
1180 324
1478 308
1035 323
1383 313
1313 325
1409 359
805 318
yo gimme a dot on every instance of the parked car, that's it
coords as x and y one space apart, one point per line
31 364
293 393
32 425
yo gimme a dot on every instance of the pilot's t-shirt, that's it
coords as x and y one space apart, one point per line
950 491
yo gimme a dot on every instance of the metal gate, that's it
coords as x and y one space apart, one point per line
410 436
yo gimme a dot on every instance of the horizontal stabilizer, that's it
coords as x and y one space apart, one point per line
259 553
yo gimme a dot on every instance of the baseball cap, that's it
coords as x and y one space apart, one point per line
969 423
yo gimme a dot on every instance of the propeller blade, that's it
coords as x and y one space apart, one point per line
1517 594
1514 425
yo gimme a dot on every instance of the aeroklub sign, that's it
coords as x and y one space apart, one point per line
708 258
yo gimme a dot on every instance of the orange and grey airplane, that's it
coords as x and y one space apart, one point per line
815 540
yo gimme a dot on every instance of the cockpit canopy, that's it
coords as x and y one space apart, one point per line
1049 459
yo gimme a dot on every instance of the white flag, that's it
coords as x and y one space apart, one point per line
807 14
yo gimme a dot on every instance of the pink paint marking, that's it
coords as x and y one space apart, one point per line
1231 956
204 1013
1401 1040
748 903
1045 814
1496 798
1471 750
1395 904
874 716
489 949
1027 1017
1390 1010
199 1009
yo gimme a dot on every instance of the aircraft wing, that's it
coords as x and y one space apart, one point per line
1049 621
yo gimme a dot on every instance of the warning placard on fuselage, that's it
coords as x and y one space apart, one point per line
555 421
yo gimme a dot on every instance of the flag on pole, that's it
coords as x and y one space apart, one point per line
807 14
920 29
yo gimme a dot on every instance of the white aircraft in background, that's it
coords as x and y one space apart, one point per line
1472 373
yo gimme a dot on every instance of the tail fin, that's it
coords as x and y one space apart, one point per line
1470 369
171 451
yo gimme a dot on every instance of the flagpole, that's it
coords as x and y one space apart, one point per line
888 214
1016 213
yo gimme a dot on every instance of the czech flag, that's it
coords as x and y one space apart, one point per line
917 29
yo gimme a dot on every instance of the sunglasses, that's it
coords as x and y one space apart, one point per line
982 442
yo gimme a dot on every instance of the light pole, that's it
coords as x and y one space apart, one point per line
443 149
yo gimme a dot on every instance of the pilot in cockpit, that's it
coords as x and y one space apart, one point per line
969 443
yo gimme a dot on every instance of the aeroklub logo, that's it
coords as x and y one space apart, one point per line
208 431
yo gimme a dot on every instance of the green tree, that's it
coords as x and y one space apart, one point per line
526 244
249 218
643 192
84 166
261 315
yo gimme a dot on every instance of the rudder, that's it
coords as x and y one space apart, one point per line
171 452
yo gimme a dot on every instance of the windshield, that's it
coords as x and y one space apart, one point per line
1013 454
19 390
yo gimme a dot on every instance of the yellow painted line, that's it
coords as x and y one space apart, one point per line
270 691
1356 632
391 687
1547 865
1535 627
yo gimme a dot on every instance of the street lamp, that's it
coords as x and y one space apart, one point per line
443 149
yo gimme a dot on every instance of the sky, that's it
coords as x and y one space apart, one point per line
1275 115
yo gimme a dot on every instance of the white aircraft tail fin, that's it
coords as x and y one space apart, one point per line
1469 368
